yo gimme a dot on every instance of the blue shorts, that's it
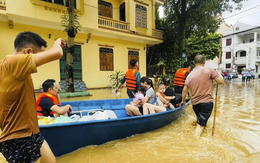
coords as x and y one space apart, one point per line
23 149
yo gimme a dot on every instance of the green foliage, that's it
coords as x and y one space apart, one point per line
207 45
189 27
116 77
65 22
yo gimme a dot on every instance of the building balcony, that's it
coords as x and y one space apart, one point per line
106 22
240 58
2 4
157 33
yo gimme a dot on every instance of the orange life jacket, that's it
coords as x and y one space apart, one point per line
131 79
179 79
39 98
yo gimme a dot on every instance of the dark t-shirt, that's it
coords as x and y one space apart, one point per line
169 92
46 105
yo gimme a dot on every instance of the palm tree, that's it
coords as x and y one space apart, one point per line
72 27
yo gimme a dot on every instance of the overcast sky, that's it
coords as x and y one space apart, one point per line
249 14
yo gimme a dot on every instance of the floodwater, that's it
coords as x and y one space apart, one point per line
236 138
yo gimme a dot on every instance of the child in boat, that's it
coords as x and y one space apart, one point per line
139 96
161 89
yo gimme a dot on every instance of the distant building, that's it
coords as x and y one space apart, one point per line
241 48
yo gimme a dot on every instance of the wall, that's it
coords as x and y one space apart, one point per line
91 73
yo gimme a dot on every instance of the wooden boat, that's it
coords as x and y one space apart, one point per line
64 138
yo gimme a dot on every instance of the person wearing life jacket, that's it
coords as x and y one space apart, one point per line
48 102
180 77
132 79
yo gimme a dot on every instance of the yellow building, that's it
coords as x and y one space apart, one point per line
113 32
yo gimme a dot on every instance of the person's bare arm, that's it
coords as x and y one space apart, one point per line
58 98
162 99
61 110
169 97
219 79
184 94
52 54
118 87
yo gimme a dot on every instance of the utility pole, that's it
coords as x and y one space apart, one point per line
234 67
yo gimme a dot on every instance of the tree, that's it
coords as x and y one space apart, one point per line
187 23
72 26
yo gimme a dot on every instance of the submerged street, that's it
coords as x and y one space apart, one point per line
236 139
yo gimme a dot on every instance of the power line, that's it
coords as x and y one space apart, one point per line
242 11
244 16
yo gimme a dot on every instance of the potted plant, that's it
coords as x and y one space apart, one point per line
115 79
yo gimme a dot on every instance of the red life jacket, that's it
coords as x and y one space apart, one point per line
131 79
38 100
179 79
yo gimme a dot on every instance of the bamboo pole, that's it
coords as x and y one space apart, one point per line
216 96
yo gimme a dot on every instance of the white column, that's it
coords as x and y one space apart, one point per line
255 37
247 60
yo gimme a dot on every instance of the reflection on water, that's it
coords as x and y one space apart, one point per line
236 139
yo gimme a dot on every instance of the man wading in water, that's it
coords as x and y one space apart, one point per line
200 83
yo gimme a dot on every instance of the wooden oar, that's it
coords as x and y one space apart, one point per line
216 96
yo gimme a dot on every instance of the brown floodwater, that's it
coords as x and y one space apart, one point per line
236 139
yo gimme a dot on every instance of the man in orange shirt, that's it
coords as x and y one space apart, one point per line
21 140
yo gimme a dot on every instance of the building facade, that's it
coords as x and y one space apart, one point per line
241 48
113 32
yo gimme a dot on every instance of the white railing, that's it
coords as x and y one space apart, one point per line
240 58
114 24
2 3
157 33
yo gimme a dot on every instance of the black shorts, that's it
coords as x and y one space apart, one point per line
23 149
203 112
141 109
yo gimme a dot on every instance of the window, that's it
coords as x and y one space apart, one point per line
228 55
251 40
243 54
228 42
61 2
132 55
228 65
140 16
106 59
105 9
237 28
122 12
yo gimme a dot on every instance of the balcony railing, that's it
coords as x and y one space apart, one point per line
157 33
240 58
2 4
113 24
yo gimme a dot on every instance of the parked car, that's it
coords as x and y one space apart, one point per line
233 75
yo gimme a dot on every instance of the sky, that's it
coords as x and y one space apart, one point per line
249 14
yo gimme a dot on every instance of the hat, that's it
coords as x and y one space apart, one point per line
133 62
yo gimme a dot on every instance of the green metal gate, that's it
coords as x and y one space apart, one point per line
76 64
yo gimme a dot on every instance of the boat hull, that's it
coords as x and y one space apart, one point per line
67 137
